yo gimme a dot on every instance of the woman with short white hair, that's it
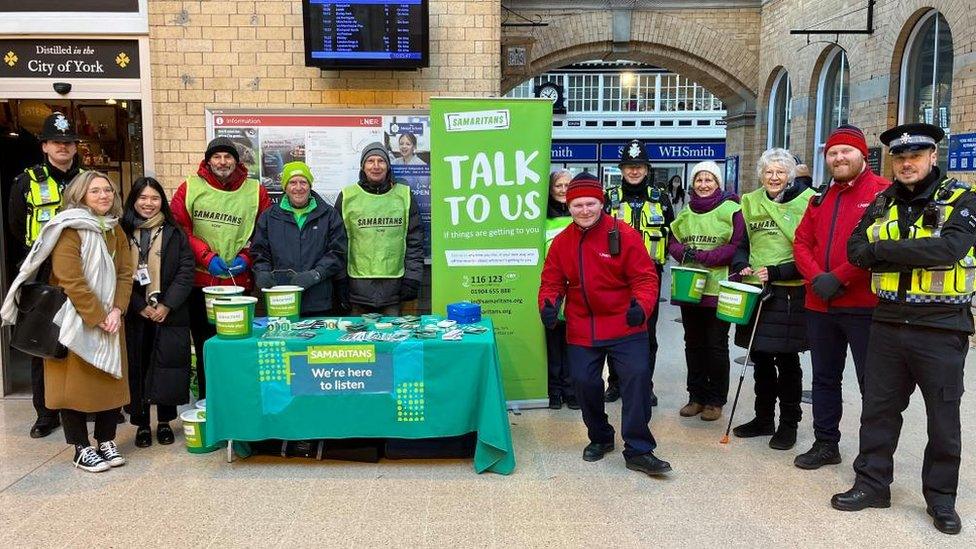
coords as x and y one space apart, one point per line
765 258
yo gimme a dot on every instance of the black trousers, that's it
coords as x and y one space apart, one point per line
707 355
612 378
557 360
139 414
200 330
630 359
75 426
901 357
778 375
45 415
829 335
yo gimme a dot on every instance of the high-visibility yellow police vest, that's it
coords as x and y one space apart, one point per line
954 283
650 222
43 201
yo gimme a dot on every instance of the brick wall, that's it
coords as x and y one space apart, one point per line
875 63
219 53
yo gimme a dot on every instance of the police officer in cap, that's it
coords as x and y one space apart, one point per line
917 240
645 206
34 199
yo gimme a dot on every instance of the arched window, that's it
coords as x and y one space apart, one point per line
926 75
833 104
780 112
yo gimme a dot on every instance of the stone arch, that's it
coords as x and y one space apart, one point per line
725 66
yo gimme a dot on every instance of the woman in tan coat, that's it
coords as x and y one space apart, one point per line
91 258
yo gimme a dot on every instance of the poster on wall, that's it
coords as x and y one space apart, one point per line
331 143
489 190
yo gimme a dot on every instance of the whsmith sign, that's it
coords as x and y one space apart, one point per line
69 59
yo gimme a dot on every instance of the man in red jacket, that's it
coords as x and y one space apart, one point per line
217 207
839 300
602 271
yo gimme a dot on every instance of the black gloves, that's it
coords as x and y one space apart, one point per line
340 293
409 289
827 286
263 279
549 315
635 314
306 279
690 255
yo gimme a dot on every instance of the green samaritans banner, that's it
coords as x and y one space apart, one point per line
489 179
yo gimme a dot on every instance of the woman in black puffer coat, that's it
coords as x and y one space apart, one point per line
157 323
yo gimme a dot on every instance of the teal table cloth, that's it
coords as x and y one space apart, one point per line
296 389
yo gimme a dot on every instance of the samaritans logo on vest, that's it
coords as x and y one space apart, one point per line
376 222
764 225
219 217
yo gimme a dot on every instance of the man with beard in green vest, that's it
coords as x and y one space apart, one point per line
386 242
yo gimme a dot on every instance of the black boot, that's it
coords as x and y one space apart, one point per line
785 436
572 403
758 427
612 394
649 464
555 402
822 453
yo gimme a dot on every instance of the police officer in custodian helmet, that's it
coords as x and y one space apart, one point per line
917 240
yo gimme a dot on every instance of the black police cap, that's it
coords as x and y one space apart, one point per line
912 137
57 127
634 152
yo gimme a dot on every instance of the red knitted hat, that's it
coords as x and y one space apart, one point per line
847 135
584 184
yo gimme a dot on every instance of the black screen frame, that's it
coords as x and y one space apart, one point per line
361 64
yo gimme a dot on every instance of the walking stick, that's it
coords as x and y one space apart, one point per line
745 364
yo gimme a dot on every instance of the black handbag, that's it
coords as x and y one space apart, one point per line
35 332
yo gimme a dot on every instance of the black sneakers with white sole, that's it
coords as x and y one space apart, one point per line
87 458
110 453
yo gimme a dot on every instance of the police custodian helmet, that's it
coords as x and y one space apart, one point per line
58 128
634 153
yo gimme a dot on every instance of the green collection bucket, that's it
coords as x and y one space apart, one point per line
210 293
736 301
194 421
687 284
234 316
284 301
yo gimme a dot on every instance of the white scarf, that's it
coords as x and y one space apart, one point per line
94 345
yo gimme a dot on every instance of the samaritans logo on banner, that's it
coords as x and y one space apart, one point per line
489 186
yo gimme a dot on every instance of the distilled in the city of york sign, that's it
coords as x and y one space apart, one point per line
69 59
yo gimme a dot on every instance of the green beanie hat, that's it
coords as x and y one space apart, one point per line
292 169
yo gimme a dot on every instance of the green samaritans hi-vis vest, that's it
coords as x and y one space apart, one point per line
222 219
649 221
43 202
944 284
706 231
554 226
771 226
377 229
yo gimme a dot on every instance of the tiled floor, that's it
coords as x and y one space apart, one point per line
742 494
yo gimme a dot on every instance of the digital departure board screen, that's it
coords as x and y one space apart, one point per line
368 34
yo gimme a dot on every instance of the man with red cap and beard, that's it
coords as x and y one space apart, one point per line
601 269
838 298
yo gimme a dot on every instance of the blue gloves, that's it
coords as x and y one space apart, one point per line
635 314
238 266
217 266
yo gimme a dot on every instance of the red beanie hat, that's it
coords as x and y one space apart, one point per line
848 135
584 184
